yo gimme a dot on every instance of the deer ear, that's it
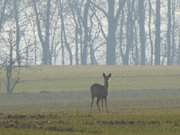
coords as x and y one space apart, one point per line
104 75
109 75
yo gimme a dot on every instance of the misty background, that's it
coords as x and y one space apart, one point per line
73 32
88 32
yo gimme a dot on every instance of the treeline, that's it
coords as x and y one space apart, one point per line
72 32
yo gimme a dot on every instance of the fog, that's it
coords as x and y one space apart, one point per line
116 32
97 37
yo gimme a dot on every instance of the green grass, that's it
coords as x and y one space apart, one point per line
79 78
90 124
143 101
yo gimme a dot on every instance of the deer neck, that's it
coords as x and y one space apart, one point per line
106 84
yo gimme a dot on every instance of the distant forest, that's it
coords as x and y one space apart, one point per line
90 32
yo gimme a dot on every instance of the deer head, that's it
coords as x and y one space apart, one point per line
106 79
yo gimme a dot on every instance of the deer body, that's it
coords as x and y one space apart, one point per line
100 92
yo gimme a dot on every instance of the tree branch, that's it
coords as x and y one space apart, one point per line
99 8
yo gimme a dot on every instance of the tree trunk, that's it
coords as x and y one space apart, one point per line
46 49
45 43
111 38
129 32
173 30
150 32
142 34
2 13
169 3
64 36
16 16
86 32
158 33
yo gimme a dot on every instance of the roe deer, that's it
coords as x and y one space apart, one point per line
100 92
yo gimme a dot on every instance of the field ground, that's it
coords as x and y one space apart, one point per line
55 101
79 78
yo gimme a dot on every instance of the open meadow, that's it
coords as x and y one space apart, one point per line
56 101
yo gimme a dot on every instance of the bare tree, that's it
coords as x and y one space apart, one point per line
18 36
86 31
150 31
92 32
158 33
112 21
44 37
3 4
142 33
64 40
129 32
74 9
12 72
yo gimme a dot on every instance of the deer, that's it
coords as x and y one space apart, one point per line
100 92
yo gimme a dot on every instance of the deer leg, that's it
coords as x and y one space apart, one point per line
102 103
106 104
92 102
98 104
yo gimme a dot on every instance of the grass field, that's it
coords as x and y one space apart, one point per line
90 124
55 101
79 78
